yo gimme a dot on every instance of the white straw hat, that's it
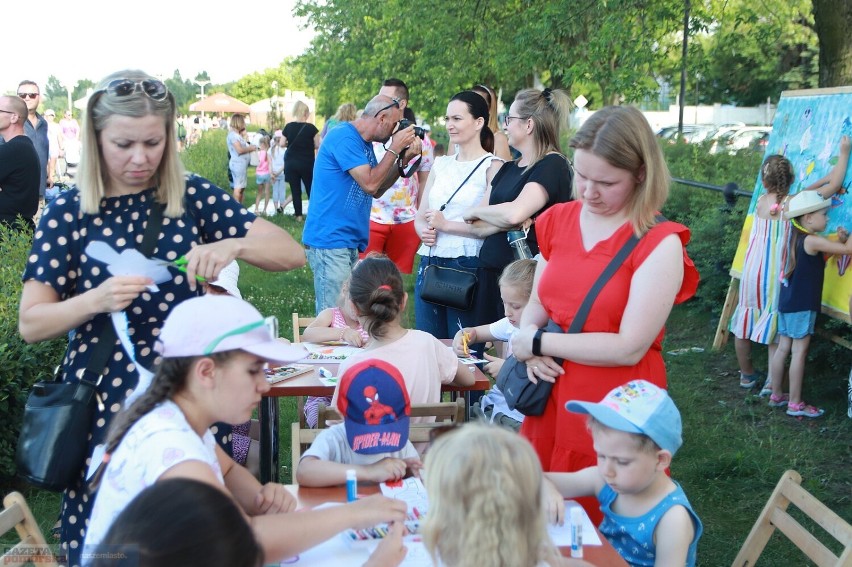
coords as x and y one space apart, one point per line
805 202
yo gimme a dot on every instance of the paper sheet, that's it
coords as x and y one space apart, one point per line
561 535
328 353
130 262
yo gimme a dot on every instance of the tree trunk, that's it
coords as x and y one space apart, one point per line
832 21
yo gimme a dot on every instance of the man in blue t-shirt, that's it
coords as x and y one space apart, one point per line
346 179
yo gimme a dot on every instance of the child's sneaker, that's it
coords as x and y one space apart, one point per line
778 401
803 410
767 388
749 380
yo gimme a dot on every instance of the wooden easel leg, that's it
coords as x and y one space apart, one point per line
721 338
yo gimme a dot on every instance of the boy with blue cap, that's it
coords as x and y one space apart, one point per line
636 430
373 438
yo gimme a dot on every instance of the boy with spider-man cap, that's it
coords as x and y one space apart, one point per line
373 438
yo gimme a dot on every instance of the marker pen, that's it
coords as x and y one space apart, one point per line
577 532
351 485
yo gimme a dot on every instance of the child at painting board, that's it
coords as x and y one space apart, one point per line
756 318
335 324
801 296
373 438
515 289
636 431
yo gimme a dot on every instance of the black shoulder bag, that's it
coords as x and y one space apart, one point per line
448 286
58 414
529 398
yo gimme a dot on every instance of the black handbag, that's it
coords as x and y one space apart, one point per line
529 398
53 442
444 286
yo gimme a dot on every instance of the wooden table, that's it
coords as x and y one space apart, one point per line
309 385
603 555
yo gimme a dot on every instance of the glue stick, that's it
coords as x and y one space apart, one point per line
351 485
576 532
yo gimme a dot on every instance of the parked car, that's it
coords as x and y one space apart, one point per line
741 139
692 133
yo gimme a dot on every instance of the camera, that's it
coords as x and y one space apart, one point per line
418 131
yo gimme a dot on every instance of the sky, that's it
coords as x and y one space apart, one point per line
89 39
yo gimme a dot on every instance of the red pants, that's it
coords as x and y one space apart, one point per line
398 241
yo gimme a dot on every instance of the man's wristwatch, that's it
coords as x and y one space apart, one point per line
536 343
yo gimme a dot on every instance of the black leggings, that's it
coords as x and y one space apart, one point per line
296 173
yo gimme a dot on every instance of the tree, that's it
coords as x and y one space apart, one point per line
832 21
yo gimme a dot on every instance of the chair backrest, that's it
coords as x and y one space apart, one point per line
17 514
775 516
443 412
300 323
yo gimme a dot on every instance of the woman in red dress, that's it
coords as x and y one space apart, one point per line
621 182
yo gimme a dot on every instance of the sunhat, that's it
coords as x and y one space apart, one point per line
805 202
637 407
204 325
228 279
277 134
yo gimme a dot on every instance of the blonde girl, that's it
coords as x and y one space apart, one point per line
276 171
485 501
262 175
800 298
335 324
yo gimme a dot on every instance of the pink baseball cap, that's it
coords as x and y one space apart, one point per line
217 323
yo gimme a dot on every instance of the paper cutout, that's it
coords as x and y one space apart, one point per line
129 262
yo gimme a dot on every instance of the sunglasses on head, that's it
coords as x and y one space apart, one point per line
28 95
395 103
153 88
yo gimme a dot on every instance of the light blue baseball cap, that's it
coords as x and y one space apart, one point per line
637 407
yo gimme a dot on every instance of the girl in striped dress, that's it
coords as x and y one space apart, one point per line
756 316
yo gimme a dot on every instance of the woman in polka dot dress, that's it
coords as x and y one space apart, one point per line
129 163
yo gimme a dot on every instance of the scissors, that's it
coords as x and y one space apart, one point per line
465 339
179 264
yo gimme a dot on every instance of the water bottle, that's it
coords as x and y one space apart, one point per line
518 241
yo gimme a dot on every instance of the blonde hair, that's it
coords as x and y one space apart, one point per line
519 274
548 110
237 123
91 174
490 97
300 111
346 112
485 500
621 136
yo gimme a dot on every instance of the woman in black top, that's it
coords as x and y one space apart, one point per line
523 188
302 141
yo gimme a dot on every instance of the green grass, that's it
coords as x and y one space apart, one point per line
735 446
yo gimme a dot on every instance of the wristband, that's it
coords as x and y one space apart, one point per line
536 342
393 152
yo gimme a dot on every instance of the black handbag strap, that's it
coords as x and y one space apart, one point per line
469 175
611 268
106 341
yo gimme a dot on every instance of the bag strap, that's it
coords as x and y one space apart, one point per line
469 175
611 268
106 341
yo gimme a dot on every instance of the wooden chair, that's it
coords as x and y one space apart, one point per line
774 516
444 413
299 323
17 514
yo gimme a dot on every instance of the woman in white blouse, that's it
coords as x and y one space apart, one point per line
447 240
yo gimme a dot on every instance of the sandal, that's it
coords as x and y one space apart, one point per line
767 388
778 401
803 410
749 380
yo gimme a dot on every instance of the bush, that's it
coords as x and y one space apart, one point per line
20 364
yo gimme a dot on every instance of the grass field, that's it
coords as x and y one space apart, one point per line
735 446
